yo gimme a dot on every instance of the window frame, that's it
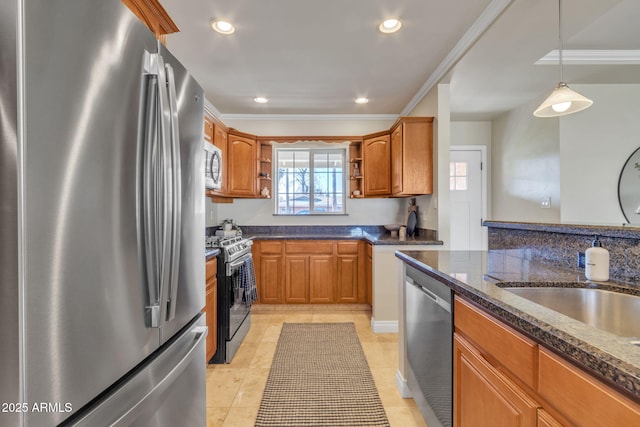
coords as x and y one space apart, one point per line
311 150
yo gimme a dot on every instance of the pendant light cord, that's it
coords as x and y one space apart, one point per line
560 38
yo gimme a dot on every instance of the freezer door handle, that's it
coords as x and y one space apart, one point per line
131 415
176 186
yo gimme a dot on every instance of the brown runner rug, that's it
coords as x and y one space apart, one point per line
320 377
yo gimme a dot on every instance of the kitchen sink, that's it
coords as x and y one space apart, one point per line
613 312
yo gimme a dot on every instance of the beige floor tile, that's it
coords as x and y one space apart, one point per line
404 416
216 416
264 355
381 354
250 393
241 417
237 387
293 307
222 386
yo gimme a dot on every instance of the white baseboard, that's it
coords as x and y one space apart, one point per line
403 388
384 326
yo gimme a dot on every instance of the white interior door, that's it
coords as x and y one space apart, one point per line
467 199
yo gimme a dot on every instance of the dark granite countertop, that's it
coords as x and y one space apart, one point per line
372 234
474 275
620 230
211 252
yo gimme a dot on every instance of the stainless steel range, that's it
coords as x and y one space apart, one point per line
236 292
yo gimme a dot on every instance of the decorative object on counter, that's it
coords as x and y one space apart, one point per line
265 192
403 233
393 228
412 220
228 228
596 263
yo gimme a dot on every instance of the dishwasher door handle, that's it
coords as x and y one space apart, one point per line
441 302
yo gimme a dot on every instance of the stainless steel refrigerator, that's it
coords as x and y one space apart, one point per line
101 221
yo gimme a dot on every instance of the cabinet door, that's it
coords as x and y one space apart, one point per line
242 164
484 397
208 129
220 140
347 279
396 160
321 273
212 317
376 159
270 279
296 279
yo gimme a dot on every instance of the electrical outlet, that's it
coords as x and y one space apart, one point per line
580 259
546 203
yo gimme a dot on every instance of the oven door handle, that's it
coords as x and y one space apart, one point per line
237 263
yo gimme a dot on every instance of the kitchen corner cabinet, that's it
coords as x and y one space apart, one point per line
211 307
355 170
309 271
154 17
412 156
376 165
242 152
502 377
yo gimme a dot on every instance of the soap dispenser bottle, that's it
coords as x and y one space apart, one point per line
596 261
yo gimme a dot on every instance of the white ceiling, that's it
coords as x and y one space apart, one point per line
315 57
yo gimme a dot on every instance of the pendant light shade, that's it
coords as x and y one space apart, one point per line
562 100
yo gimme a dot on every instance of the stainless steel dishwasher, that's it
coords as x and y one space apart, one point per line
429 329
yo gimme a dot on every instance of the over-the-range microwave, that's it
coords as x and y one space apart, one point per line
212 166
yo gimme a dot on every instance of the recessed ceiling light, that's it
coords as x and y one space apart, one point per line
389 26
260 100
222 27
362 100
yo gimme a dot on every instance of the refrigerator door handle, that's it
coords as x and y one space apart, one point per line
154 188
176 181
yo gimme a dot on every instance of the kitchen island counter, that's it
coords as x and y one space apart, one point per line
474 275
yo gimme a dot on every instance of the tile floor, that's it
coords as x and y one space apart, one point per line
234 390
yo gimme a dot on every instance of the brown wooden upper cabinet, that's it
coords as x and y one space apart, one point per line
154 17
220 140
242 157
412 156
376 155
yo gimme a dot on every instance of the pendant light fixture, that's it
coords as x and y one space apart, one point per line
562 100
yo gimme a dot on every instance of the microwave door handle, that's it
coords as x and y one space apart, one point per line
176 185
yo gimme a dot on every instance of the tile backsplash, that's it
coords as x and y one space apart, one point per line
559 244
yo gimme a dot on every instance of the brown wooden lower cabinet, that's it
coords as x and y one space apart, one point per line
484 397
310 271
491 390
211 307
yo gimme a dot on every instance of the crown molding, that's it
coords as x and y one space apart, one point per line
484 21
310 117
591 57
211 109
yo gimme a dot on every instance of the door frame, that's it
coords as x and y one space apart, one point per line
483 184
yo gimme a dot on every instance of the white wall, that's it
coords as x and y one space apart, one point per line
594 145
525 166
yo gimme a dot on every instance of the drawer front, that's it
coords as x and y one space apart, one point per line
511 349
309 247
581 398
348 247
211 268
270 247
